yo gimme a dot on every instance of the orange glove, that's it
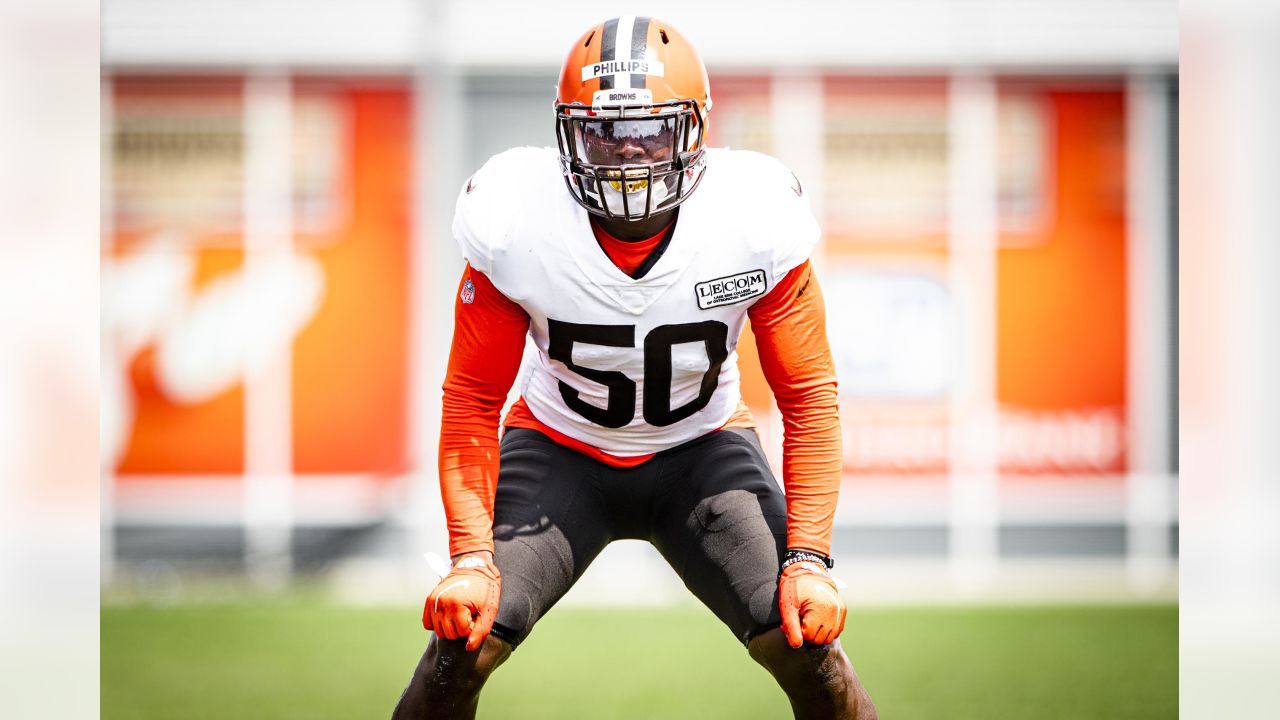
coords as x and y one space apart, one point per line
465 602
812 610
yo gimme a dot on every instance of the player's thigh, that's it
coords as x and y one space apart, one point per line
548 524
723 528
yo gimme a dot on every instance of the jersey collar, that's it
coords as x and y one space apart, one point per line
632 295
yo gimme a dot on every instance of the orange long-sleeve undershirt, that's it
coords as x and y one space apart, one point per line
489 332
488 343
790 325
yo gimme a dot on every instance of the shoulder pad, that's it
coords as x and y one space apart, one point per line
492 198
779 219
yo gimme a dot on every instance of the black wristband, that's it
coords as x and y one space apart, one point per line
793 556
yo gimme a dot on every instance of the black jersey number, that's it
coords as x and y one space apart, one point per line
658 345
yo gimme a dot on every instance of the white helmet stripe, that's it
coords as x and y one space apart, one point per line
622 48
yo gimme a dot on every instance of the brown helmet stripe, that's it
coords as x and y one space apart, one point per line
639 43
608 50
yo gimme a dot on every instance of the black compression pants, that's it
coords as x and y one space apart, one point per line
711 507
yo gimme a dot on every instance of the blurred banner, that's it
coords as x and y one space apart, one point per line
1060 321
189 313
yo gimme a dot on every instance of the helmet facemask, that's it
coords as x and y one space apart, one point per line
597 146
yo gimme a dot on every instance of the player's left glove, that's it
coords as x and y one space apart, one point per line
465 602
812 609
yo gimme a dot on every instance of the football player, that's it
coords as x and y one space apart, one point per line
633 255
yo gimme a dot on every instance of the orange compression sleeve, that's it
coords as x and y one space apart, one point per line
790 328
488 342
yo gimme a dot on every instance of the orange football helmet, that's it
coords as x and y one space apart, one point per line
631 118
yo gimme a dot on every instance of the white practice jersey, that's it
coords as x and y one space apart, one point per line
634 366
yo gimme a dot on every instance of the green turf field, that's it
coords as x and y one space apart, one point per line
302 660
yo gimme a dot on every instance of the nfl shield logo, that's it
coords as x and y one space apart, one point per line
468 292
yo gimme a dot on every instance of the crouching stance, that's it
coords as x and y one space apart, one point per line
630 424
710 506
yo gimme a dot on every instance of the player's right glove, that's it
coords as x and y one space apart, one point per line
465 602
811 606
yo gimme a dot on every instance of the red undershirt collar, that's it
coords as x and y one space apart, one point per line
627 256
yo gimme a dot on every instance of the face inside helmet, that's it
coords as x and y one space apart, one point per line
630 162
617 142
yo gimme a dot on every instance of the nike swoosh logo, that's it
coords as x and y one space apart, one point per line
830 592
460 583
